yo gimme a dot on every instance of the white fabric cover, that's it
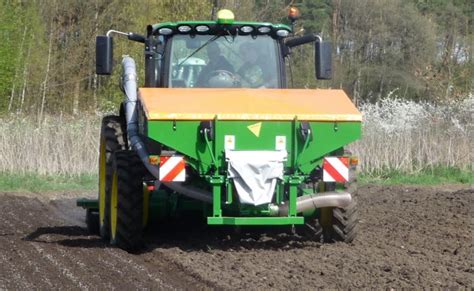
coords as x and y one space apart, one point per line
255 174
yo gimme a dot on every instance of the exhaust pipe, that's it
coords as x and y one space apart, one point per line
313 201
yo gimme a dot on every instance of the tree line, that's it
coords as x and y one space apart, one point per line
413 49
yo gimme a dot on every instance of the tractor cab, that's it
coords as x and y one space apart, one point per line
221 60
217 54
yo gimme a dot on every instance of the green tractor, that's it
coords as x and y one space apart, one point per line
215 134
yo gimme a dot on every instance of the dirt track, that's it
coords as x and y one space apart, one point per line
409 237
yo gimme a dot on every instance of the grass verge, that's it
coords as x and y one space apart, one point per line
435 176
10 182
31 182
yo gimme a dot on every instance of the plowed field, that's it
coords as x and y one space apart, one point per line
408 237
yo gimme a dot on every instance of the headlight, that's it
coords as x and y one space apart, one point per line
184 28
202 28
165 31
282 33
246 29
264 29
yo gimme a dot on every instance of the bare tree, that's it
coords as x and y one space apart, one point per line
46 74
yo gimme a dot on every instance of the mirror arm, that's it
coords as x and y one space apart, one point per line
130 35
115 31
297 41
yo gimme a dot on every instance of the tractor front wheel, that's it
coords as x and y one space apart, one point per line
126 201
112 138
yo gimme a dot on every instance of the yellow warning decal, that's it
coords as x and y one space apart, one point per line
255 128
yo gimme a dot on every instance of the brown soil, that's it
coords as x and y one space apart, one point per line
409 237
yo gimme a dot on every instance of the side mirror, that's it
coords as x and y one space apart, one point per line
103 55
323 60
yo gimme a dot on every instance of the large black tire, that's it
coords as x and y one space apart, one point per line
112 138
127 201
92 222
340 224
311 230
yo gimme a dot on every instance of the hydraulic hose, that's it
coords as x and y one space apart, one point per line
190 192
129 82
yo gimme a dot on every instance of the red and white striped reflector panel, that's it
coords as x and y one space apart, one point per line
336 169
172 169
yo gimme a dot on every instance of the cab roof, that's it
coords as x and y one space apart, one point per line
215 27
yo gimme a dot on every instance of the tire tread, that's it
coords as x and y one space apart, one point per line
130 172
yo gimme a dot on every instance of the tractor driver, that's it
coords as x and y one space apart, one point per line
217 70
254 72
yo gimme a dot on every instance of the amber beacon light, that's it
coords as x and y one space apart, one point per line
293 13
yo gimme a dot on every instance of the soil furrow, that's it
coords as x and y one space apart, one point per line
139 268
409 237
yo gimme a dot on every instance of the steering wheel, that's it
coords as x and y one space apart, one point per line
223 78
250 82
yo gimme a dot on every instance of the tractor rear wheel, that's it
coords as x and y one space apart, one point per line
127 200
112 138
340 224
92 222
311 230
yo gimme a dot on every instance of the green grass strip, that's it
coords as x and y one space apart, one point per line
31 182
434 176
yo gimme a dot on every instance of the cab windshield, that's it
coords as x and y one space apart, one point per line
209 61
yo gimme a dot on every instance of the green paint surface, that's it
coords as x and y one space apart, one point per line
255 220
184 136
207 157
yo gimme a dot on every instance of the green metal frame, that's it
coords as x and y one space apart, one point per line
208 156
87 203
326 137
255 220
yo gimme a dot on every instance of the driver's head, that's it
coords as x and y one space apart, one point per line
248 51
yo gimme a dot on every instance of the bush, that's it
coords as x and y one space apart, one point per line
406 136
55 145
398 136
